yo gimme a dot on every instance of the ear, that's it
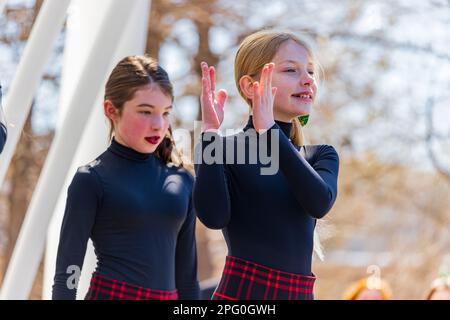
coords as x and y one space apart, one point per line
246 85
110 111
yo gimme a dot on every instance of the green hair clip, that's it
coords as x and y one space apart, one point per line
303 119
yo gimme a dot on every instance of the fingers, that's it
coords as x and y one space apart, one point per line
270 74
221 98
206 81
205 89
212 81
256 96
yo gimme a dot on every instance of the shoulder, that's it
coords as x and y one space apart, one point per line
321 151
87 177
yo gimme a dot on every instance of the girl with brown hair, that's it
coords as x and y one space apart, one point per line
133 201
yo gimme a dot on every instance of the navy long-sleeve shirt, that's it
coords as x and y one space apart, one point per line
2 136
139 214
267 219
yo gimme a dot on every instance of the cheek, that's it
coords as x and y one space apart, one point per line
284 87
134 125
282 95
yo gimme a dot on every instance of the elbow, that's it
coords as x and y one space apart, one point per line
214 223
212 213
212 217
322 207
319 214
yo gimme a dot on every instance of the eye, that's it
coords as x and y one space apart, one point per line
145 112
290 70
311 72
166 114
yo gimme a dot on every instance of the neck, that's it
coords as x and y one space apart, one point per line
285 126
126 152
278 117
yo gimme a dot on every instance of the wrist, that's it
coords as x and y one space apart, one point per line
209 128
265 127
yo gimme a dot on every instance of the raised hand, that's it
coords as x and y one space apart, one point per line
263 98
212 106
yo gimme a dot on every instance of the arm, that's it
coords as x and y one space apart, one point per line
186 260
83 200
210 195
315 187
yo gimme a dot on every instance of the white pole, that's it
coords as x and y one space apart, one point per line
81 22
2 6
29 73
30 243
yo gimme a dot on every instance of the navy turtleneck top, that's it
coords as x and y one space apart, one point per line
266 219
138 212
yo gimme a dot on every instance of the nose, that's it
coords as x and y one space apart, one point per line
157 123
306 79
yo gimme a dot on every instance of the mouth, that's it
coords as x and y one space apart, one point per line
153 139
303 96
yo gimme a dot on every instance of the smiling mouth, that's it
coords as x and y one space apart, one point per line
152 140
303 96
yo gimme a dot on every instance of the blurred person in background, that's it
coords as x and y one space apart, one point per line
369 288
440 287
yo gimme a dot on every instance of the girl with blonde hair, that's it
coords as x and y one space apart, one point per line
268 220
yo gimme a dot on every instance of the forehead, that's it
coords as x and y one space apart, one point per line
291 50
152 93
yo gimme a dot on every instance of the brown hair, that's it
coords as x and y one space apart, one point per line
254 52
128 76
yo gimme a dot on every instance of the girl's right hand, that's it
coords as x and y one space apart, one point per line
212 105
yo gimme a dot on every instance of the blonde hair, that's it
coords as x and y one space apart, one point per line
255 51
258 49
356 288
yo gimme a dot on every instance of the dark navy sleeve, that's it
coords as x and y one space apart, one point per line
2 136
314 186
211 197
186 259
83 200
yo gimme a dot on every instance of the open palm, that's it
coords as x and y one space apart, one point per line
212 105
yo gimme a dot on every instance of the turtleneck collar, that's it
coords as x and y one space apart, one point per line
284 126
128 153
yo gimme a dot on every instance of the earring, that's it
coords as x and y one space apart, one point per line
303 119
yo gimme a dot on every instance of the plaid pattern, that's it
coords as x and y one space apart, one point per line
245 280
103 288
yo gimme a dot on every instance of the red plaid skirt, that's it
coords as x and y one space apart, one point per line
103 288
245 280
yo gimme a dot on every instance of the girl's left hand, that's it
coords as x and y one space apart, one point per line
263 98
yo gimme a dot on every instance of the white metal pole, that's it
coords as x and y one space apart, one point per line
2 6
30 243
81 22
46 28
